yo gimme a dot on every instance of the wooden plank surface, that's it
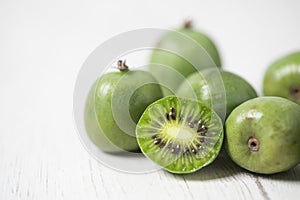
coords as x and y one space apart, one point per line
49 162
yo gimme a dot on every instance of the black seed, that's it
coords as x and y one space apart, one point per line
194 151
191 124
172 113
162 144
154 136
202 140
157 140
203 134
173 116
172 109
187 151
167 116
202 129
177 147
169 146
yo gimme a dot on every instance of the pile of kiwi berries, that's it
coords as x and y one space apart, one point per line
184 130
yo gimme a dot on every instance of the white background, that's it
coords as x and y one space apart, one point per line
42 47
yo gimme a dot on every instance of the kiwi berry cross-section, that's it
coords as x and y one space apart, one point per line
180 135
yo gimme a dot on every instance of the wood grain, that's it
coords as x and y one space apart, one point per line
42 157
40 166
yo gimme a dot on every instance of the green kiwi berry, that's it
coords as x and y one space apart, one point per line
114 105
180 135
171 61
218 87
282 78
262 135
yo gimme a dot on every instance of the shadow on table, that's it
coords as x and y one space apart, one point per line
290 175
223 167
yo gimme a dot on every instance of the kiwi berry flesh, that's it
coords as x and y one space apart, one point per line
282 78
262 135
180 135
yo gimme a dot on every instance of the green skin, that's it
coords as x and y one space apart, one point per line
169 161
274 123
199 86
171 79
282 78
107 98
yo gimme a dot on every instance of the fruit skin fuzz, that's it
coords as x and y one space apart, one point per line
282 78
262 135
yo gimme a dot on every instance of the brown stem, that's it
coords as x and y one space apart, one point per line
253 144
122 65
188 24
295 92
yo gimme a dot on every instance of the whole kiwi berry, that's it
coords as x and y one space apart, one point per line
114 105
224 89
262 135
282 78
180 135
171 60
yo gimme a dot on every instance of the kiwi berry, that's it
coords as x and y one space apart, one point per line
282 78
180 135
263 135
114 105
219 87
180 53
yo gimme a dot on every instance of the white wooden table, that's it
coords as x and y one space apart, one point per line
42 47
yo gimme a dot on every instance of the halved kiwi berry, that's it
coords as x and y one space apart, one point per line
180 135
